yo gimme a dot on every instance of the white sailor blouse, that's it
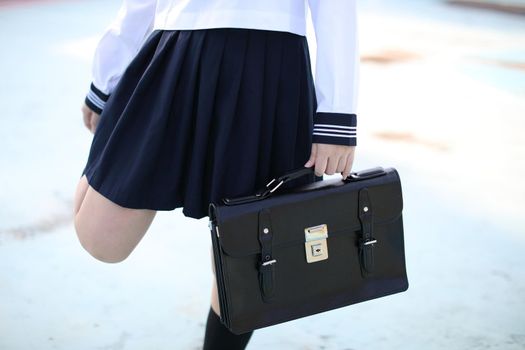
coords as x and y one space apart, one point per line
336 62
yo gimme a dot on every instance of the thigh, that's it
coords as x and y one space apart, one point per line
105 229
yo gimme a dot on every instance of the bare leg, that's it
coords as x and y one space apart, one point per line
109 232
214 293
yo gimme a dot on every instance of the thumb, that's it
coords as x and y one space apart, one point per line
311 161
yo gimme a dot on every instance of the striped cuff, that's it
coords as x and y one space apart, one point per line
96 99
335 128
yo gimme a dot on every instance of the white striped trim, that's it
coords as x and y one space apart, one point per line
337 135
97 101
336 126
338 131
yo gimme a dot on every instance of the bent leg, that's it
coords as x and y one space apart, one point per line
108 231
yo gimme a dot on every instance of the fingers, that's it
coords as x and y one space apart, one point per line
348 165
90 118
86 116
320 164
342 163
329 159
94 121
313 154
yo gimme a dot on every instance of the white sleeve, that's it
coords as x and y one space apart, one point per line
336 70
117 47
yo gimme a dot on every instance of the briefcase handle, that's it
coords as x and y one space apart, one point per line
296 173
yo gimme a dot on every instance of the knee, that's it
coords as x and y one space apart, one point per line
98 247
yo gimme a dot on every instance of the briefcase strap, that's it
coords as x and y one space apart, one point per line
366 241
267 263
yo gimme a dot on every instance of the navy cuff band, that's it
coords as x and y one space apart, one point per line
96 99
335 128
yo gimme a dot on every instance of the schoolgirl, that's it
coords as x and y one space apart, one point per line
195 100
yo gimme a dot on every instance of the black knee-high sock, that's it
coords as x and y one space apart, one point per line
218 337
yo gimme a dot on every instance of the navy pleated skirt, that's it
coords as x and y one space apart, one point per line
199 115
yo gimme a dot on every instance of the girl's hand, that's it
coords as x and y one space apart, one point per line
329 158
91 118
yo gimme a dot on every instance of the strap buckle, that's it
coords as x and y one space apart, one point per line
266 190
273 261
368 241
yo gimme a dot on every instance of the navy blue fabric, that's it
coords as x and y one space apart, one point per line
199 115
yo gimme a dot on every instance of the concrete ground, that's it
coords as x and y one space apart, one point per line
441 100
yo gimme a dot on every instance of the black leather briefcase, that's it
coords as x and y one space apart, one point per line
283 255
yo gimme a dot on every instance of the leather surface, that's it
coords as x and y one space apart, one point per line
253 297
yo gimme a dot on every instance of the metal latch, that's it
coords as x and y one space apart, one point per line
315 243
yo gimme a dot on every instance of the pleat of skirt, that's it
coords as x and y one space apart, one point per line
199 115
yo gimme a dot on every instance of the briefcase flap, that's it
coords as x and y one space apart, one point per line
313 204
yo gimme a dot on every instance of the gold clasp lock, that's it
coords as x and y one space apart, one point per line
315 243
